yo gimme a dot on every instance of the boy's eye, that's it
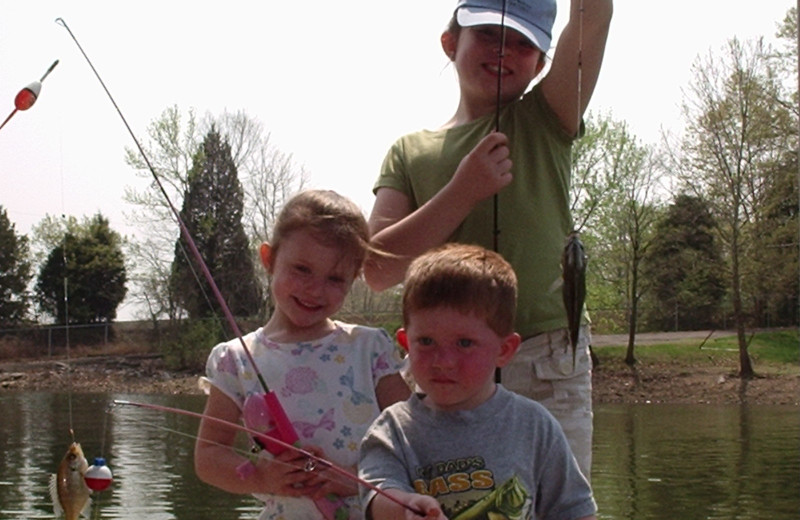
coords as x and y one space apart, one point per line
425 341
464 342
302 268
338 280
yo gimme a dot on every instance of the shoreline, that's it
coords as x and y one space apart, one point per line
612 382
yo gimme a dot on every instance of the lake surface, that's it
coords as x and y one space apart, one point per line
651 462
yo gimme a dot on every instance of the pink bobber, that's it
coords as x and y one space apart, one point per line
98 476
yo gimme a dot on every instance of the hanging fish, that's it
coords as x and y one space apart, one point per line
68 488
573 266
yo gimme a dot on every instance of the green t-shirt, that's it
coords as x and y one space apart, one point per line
533 211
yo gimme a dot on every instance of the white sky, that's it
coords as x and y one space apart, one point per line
335 83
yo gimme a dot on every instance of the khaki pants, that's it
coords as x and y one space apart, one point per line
543 370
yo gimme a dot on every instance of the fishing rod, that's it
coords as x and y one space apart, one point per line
184 230
496 197
282 434
314 461
500 56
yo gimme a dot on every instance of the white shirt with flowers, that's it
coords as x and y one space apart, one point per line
326 386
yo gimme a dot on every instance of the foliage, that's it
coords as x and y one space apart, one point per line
685 268
617 201
268 175
89 266
212 213
15 273
192 344
735 145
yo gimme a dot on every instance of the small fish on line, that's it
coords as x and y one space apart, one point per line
573 265
68 489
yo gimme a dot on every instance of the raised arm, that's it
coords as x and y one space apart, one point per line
584 37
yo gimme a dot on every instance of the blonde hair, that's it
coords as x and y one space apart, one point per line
332 219
468 278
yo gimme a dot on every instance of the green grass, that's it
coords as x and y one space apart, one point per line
774 349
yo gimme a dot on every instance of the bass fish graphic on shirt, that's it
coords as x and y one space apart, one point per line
511 501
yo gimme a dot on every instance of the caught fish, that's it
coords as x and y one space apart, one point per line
68 488
573 266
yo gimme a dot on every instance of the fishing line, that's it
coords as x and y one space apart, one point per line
241 451
315 459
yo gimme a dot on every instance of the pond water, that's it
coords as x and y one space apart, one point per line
651 462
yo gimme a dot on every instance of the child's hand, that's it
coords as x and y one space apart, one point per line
417 506
485 170
285 474
323 481
425 504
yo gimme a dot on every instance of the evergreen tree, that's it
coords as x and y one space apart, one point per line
89 263
685 268
15 273
212 212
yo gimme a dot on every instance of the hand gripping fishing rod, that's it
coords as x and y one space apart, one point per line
280 435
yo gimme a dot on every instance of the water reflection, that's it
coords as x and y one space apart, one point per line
651 462
724 462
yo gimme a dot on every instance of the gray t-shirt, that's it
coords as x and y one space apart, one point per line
508 456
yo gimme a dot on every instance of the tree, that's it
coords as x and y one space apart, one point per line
268 175
89 266
212 212
684 267
619 210
15 273
729 142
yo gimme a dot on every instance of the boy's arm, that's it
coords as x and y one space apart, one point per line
405 234
381 508
585 36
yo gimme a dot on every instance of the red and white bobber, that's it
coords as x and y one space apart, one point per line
98 477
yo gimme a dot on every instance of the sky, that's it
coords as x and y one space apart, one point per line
334 83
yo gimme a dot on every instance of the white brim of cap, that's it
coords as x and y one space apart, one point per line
471 16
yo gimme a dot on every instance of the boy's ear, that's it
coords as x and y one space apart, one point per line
266 256
449 41
402 338
508 349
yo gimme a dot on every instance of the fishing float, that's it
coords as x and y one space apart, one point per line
26 97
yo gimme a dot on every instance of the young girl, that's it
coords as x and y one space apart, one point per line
437 186
332 378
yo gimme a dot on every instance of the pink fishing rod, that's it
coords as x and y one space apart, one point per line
281 434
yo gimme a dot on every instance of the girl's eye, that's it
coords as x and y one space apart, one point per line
464 342
424 341
338 280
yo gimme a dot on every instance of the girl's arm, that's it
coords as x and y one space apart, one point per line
216 462
586 36
404 234
391 389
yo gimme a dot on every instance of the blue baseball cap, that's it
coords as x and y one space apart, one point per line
533 18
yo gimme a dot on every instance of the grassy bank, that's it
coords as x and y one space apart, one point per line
770 351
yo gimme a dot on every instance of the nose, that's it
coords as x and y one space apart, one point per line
444 357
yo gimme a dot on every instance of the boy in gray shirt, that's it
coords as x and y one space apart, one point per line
465 447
